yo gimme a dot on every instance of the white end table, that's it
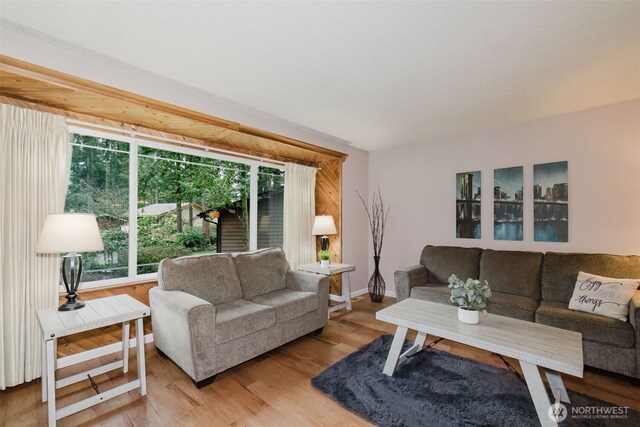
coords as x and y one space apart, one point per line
334 268
95 314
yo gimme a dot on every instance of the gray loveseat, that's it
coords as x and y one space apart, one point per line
213 312
536 287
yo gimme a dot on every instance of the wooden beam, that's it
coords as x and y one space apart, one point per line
39 85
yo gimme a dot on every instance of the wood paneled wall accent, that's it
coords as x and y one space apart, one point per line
30 86
329 202
28 82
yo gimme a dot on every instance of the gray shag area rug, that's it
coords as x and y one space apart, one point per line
436 388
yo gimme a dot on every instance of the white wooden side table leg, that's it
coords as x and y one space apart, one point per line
394 352
142 375
43 369
538 393
346 289
51 381
125 347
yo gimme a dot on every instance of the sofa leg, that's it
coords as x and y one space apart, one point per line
205 382
318 331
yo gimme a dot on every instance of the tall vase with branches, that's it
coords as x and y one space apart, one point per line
377 221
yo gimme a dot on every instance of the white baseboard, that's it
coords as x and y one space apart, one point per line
98 352
338 298
359 292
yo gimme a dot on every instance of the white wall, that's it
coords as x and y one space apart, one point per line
601 144
77 62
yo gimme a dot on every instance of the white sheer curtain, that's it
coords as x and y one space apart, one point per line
299 212
35 158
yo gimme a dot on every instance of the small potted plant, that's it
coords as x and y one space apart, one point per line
471 296
324 258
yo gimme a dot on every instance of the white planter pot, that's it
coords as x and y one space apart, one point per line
468 316
324 263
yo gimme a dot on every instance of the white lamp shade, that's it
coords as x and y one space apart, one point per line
323 225
70 232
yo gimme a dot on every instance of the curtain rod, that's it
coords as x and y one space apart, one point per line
153 138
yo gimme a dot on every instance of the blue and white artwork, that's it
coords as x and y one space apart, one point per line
507 204
551 202
468 199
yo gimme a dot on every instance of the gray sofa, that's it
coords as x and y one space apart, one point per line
536 287
213 312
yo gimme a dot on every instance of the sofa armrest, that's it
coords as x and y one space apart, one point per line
316 283
634 312
184 329
407 278
306 282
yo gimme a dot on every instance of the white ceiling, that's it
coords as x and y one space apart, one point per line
376 74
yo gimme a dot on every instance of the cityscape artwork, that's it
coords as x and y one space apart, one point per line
551 202
468 198
507 204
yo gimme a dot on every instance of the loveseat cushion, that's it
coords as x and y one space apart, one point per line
594 328
239 318
288 303
262 271
560 271
512 272
443 261
211 277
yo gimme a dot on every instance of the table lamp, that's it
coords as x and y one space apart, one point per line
70 233
323 225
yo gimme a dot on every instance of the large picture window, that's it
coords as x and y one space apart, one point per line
99 183
186 203
156 201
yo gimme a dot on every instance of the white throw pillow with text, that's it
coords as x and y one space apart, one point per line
603 295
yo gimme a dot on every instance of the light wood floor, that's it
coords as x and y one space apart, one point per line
271 390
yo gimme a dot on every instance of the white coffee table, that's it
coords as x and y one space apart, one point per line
532 344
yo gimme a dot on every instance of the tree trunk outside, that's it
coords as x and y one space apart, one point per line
205 225
245 220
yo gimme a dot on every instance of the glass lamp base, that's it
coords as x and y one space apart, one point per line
70 305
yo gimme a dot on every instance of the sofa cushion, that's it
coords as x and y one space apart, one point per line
262 271
560 271
434 292
241 317
443 261
512 272
211 277
500 303
288 303
515 306
594 328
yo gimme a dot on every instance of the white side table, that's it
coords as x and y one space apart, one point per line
334 268
95 314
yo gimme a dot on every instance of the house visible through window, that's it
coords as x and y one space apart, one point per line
185 203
